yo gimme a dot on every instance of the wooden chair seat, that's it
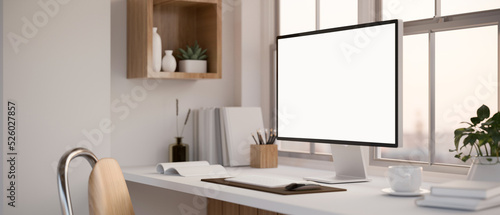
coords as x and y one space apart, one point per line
107 190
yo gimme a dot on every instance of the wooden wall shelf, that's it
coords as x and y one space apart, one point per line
157 2
179 23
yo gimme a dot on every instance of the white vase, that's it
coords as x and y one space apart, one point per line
193 66
156 50
485 169
168 62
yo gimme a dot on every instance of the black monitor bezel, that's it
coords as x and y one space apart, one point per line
397 90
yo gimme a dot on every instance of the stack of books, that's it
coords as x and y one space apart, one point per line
224 135
463 195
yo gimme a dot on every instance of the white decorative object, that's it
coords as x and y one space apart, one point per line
485 169
168 63
193 66
156 50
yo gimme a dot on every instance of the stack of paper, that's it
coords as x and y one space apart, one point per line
464 195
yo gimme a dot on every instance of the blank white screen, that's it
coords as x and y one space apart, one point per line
339 85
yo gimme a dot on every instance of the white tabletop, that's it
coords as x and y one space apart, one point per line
360 198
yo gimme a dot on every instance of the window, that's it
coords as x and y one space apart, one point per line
314 15
335 13
307 15
407 10
466 63
416 109
291 23
449 7
450 67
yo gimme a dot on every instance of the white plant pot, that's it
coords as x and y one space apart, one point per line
193 66
485 169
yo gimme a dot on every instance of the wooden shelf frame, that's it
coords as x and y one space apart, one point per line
158 2
179 23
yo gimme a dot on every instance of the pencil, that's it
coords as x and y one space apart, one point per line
267 136
254 139
274 139
261 141
270 136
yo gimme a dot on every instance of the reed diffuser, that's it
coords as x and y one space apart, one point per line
179 151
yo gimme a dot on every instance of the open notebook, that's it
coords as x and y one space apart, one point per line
191 168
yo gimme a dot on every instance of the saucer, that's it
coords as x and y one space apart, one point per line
394 193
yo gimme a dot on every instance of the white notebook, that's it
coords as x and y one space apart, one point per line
207 143
460 203
239 124
467 189
191 168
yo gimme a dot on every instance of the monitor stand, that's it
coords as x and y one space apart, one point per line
349 166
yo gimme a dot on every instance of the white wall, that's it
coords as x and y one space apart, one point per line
144 130
1 99
60 80
248 44
254 42
267 40
71 75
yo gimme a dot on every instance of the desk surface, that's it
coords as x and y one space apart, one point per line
360 198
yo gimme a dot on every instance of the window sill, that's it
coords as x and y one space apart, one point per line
428 175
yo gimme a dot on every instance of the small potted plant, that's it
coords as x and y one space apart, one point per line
482 136
193 59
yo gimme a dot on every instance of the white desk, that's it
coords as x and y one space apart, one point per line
360 198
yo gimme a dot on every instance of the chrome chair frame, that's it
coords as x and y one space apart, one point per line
62 175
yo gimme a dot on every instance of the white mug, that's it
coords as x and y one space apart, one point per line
405 178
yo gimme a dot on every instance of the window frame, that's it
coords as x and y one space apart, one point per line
431 26
369 11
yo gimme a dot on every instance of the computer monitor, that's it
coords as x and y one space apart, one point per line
341 86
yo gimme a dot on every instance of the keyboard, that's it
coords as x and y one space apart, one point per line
262 180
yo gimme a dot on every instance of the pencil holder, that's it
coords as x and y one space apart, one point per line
264 156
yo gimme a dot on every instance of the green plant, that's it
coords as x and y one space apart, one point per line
483 135
192 53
